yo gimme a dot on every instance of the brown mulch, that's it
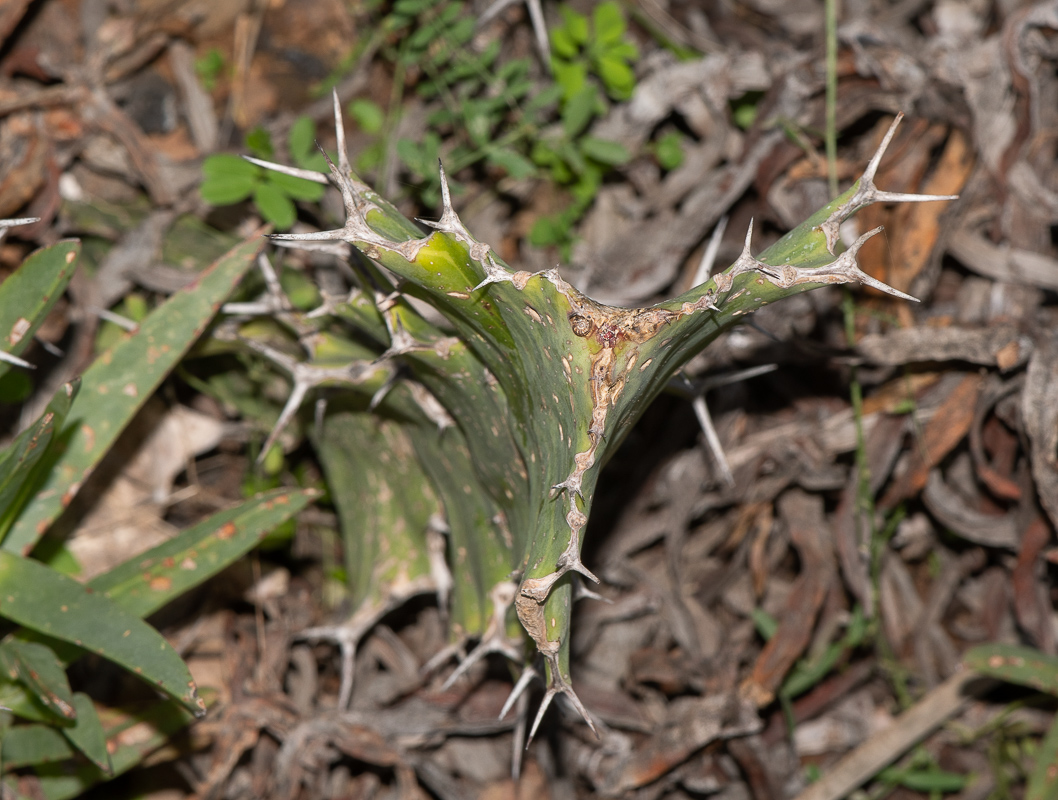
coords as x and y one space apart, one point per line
927 520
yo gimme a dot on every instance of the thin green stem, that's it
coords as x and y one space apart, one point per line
832 95
396 98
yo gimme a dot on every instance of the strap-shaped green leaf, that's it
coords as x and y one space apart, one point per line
29 294
1015 664
36 666
66 779
87 734
146 582
120 382
1043 782
46 601
23 703
19 461
29 745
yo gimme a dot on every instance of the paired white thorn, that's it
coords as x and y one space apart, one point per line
842 269
744 263
846 269
558 685
494 273
867 193
569 560
274 300
305 377
449 221
455 650
572 484
495 644
356 229
400 341
494 639
347 639
451 224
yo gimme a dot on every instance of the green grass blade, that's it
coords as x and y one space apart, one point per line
120 382
29 745
46 601
87 735
29 294
36 666
154 725
23 703
19 461
1020 665
1043 782
146 582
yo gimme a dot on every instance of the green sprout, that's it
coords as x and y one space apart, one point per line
230 179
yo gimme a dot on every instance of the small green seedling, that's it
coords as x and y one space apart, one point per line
598 47
486 112
209 68
592 59
230 179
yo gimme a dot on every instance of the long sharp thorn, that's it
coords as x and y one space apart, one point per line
876 159
471 659
446 195
575 702
518 690
344 186
18 362
904 197
339 133
705 266
304 174
549 695
701 410
543 44
345 691
297 394
518 744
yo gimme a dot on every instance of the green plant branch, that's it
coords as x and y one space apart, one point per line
575 374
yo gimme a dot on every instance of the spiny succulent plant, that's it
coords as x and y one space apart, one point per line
493 425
